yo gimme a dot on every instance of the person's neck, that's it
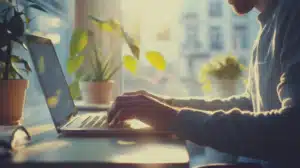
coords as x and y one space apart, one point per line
261 5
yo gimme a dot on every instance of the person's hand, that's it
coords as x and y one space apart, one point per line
146 109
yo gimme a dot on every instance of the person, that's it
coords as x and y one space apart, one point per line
261 125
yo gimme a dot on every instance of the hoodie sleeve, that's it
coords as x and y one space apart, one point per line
271 135
242 101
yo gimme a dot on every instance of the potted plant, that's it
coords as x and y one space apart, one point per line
223 73
94 85
13 85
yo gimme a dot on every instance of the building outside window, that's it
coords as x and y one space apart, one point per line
216 8
217 38
241 37
191 43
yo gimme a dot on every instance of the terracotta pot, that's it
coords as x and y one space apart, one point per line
96 92
224 88
12 99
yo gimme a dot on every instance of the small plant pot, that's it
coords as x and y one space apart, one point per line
12 100
96 92
224 88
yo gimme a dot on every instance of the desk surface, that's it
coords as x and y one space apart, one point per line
48 147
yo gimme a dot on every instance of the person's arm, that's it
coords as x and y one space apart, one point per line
272 135
242 101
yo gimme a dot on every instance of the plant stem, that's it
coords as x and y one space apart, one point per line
8 61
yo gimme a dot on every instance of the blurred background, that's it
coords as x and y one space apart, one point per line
188 33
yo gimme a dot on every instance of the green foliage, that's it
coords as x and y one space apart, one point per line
102 67
73 64
113 25
12 29
222 68
78 42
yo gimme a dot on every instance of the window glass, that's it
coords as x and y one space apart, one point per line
215 8
216 36
240 37
195 36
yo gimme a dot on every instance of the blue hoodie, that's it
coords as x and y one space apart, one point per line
262 123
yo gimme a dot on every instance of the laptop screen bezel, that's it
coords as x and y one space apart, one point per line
41 40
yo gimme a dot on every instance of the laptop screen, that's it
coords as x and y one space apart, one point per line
51 78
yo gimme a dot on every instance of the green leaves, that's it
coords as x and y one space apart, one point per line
78 42
132 44
113 25
106 25
74 63
220 67
130 63
16 59
15 71
74 89
156 60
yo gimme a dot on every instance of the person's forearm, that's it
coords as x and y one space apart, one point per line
266 136
242 102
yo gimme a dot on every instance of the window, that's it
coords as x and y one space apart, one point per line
215 8
191 43
216 37
241 37
178 34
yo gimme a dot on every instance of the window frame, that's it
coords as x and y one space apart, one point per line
107 9
215 8
217 38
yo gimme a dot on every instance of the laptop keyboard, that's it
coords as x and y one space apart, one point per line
94 122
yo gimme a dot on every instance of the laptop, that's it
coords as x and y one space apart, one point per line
68 120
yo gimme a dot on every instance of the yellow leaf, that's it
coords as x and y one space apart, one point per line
52 101
41 65
206 87
130 63
27 20
74 63
79 41
132 43
115 24
105 26
202 78
156 60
